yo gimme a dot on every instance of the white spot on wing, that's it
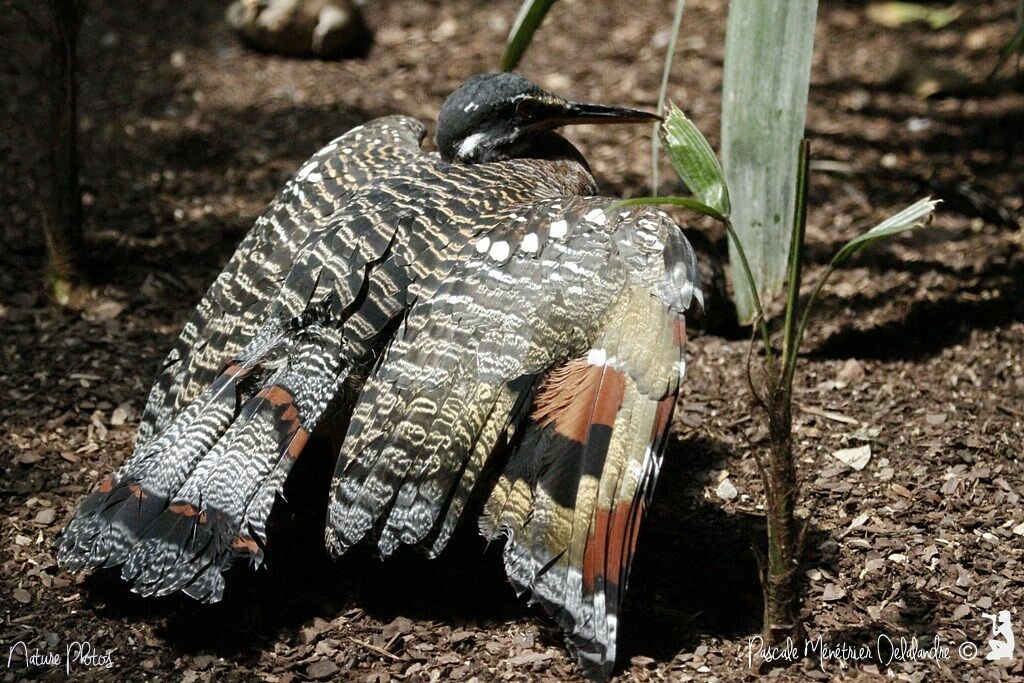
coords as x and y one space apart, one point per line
558 229
597 356
499 250
530 243
483 245
305 170
596 216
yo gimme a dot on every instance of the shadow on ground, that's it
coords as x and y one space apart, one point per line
985 300
695 574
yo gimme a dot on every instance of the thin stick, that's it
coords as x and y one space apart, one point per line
373 648
670 53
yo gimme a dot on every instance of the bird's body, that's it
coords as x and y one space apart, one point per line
446 308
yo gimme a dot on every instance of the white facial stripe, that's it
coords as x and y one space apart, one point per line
469 144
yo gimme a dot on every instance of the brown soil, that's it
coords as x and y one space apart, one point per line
918 350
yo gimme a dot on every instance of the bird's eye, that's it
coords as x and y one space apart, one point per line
526 109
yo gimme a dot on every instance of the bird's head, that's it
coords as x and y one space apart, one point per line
499 116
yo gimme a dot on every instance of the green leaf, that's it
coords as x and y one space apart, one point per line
695 161
907 219
896 14
765 80
529 19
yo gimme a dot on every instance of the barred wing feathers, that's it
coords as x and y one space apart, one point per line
231 312
562 319
306 305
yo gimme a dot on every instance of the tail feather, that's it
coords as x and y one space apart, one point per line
574 491
220 511
111 519
199 495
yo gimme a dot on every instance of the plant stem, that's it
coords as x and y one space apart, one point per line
670 52
762 322
813 299
781 579
791 341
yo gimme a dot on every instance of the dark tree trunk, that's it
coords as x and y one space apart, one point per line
62 221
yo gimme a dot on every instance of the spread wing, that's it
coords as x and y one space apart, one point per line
230 314
525 296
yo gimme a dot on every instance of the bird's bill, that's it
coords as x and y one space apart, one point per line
550 114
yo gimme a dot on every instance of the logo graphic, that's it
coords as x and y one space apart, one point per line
1001 645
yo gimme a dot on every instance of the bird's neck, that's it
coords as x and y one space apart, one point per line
547 145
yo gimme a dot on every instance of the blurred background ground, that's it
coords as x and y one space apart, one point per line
185 136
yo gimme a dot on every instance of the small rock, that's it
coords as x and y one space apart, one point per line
327 29
855 458
46 516
22 596
104 311
873 565
851 371
557 82
963 578
833 592
400 626
321 669
726 490
202 661
120 414
641 662
961 611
